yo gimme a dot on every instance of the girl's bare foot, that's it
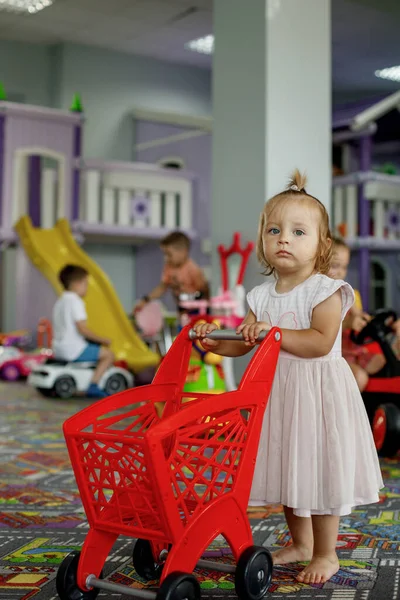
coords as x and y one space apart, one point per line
290 554
320 569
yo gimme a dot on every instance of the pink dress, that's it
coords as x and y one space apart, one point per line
316 452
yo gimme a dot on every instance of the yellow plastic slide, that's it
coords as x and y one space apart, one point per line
50 250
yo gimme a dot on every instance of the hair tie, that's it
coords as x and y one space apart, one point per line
294 187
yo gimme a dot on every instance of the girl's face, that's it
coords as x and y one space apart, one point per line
340 262
291 238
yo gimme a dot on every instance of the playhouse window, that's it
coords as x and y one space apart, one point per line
172 162
379 296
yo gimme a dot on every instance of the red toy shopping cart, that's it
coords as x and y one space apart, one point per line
174 473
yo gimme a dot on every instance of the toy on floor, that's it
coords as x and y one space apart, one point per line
63 379
16 363
15 338
175 477
205 373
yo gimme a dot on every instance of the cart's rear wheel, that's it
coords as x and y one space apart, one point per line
143 561
253 573
179 586
66 585
386 429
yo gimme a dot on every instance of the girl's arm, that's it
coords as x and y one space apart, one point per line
319 339
225 347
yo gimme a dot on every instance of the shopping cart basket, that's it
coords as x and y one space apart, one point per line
172 473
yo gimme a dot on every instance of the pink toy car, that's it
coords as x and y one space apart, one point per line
21 364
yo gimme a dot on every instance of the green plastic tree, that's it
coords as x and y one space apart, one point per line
76 105
3 95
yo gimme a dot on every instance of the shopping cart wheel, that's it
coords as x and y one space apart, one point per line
66 585
143 561
179 586
253 573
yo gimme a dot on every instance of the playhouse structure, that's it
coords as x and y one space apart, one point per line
366 197
44 178
43 175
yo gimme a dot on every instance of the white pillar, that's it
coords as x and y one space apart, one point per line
271 109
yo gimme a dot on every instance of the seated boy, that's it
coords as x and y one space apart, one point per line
180 274
72 339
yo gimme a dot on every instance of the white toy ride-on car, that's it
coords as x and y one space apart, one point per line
63 379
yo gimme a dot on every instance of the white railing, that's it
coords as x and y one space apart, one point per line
136 195
116 195
383 194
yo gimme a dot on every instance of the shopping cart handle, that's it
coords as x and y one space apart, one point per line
225 334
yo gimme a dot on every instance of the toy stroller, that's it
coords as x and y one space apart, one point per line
174 474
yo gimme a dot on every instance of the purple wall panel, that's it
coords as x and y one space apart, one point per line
36 133
364 224
35 297
2 157
196 154
34 185
76 173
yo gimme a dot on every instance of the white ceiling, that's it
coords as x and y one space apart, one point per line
158 28
365 33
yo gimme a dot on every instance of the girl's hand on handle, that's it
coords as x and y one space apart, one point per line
251 331
202 330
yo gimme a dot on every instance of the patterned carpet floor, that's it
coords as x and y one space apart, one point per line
41 520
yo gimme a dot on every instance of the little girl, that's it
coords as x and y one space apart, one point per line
316 454
362 363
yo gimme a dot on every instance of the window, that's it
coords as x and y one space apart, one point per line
172 162
379 290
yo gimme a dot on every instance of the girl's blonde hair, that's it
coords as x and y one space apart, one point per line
296 191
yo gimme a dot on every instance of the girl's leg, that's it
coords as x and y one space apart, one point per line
324 563
301 548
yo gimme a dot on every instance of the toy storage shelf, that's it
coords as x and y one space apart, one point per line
382 192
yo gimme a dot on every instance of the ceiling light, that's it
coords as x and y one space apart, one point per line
204 45
24 6
392 73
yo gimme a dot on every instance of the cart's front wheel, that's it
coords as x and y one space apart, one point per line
143 561
253 573
66 585
179 586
